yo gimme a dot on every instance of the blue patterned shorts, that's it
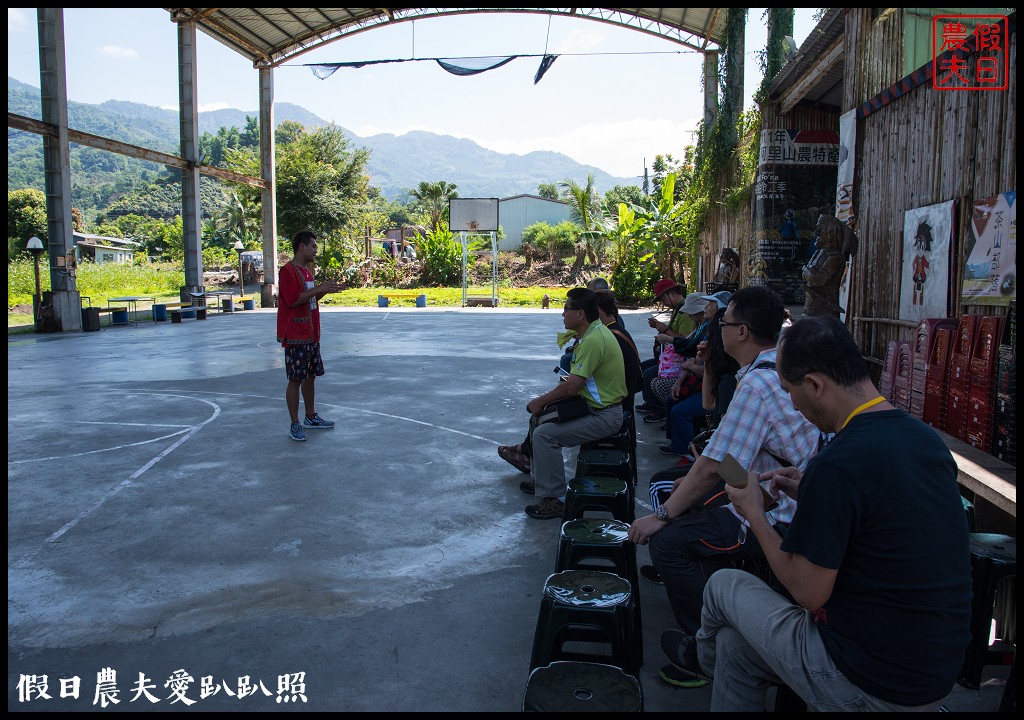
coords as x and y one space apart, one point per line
302 361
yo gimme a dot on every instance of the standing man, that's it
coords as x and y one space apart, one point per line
689 534
877 557
596 373
298 330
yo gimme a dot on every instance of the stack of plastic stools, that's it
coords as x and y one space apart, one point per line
981 393
1004 421
958 378
587 607
623 440
901 387
935 378
926 333
600 544
994 583
606 461
599 493
579 687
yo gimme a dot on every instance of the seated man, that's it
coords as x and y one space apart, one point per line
597 373
876 557
763 431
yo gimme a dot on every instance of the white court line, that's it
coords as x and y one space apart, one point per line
55 537
102 450
363 410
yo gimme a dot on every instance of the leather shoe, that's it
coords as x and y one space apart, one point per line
529 487
651 575
651 418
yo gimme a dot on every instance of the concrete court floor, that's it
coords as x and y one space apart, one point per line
160 519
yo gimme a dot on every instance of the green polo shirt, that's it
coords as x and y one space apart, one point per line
598 359
681 323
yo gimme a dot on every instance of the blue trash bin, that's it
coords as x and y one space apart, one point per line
248 304
382 301
159 312
421 301
119 317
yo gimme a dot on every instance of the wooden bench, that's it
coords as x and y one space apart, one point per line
384 299
113 310
186 310
160 309
230 304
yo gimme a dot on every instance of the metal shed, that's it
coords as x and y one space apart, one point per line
520 211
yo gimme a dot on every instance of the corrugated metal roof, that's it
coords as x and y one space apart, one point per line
271 36
813 58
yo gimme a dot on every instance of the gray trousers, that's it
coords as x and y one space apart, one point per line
750 636
547 465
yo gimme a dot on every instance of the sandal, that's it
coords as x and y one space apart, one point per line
511 455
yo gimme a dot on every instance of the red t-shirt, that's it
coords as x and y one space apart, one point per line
300 324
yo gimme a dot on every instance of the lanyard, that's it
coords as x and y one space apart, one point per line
861 408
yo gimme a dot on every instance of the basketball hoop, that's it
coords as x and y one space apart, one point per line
473 225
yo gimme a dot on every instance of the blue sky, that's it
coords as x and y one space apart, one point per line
611 111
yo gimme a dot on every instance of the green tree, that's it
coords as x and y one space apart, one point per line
549 191
321 182
26 217
585 210
432 198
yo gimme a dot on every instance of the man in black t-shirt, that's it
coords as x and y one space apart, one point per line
876 558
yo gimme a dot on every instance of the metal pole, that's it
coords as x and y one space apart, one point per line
38 297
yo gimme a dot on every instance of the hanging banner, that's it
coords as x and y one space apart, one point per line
924 283
990 274
844 181
796 181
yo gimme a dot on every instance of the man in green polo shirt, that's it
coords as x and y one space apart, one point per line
598 375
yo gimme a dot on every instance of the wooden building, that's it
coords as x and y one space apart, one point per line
916 145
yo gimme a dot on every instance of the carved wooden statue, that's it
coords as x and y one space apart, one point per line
823 273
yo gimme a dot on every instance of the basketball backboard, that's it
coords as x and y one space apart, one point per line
473 214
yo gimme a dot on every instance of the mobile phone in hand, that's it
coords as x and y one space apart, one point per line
734 474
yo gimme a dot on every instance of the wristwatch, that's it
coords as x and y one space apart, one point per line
662 514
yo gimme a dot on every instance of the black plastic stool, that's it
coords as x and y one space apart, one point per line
623 440
607 461
993 560
586 540
586 606
567 686
599 493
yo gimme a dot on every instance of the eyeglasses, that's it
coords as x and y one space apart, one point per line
569 309
723 323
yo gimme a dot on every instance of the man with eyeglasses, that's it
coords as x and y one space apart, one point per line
694 532
596 373
876 561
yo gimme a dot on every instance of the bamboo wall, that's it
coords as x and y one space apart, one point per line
926 147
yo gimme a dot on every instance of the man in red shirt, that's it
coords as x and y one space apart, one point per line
298 330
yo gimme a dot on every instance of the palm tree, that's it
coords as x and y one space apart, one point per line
432 198
585 211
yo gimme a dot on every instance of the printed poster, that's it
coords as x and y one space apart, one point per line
844 183
990 273
924 281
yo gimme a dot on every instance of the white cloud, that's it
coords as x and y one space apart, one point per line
119 53
17 20
579 40
211 106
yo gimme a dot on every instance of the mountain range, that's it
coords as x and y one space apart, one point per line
397 162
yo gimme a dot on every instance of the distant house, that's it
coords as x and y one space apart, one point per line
518 212
101 249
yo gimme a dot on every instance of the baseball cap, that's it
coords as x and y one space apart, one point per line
695 303
722 298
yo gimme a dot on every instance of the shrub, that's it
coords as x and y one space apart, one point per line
442 256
